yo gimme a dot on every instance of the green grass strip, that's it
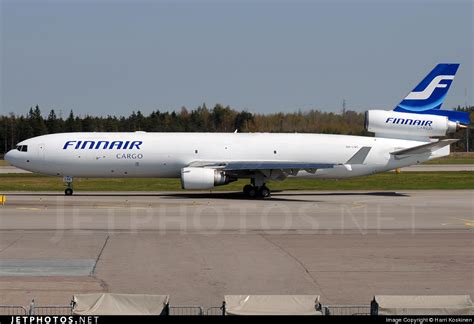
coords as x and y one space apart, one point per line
382 181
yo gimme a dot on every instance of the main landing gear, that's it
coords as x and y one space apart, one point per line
253 191
68 181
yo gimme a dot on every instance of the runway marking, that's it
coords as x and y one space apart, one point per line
108 207
28 208
120 207
467 222
358 204
451 224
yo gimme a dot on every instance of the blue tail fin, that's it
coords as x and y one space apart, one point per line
428 96
430 93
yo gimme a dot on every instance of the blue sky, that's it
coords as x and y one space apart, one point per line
112 57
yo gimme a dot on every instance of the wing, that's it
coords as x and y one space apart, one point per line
261 165
285 167
274 170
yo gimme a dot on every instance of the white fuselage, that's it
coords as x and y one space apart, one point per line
163 155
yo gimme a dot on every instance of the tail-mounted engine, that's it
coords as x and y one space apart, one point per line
392 123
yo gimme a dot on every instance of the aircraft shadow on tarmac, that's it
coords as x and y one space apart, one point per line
381 193
174 195
226 195
276 195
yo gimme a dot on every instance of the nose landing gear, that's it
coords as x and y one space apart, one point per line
68 181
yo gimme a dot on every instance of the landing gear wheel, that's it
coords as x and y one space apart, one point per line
252 193
68 192
264 192
247 189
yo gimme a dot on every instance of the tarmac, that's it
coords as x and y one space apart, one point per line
198 247
11 169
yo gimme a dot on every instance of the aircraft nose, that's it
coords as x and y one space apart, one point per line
6 156
9 156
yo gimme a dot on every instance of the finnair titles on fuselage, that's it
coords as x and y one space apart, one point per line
119 146
105 145
403 137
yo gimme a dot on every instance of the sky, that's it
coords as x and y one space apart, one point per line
112 57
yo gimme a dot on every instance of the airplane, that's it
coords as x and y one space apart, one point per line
407 135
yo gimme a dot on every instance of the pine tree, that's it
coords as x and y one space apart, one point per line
53 124
36 122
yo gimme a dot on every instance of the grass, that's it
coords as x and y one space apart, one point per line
383 181
4 163
451 161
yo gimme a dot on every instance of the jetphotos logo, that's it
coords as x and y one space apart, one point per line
103 145
54 319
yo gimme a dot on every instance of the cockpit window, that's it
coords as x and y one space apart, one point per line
22 148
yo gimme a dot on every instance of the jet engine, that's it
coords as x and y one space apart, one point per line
203 178
392 123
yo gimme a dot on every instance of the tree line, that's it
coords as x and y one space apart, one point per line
14 129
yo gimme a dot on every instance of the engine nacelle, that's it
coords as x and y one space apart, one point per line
407 124
203 178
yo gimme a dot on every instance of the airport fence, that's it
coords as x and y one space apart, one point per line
346 309
13 310
60 310
326 310
50 309
173 310
67 310
186 310
215 311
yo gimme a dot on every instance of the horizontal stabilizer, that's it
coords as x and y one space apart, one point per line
425 148
461 117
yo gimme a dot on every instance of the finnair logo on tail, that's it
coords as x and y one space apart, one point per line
428 91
